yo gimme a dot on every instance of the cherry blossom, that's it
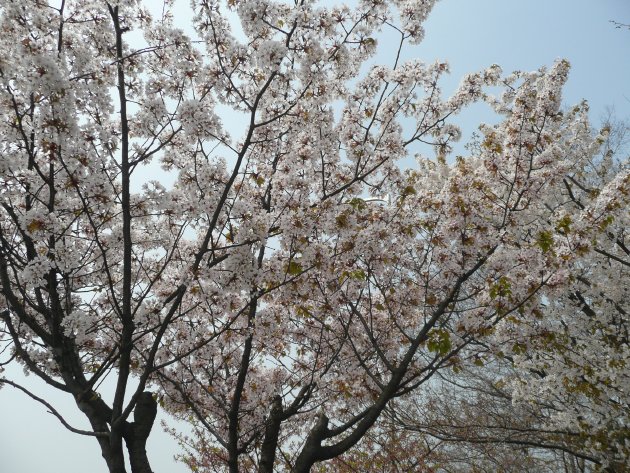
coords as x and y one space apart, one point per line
296 279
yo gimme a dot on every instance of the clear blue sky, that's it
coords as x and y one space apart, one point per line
470 35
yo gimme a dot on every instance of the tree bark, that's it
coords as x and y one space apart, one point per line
270 441
308 455
134 434
137 433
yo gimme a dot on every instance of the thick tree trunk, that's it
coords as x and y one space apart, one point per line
117 454
103 442
233 450
98 413
134 434
137 433
308 455
270 442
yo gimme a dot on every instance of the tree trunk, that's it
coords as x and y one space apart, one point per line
270 442
309 454
117 455
137 433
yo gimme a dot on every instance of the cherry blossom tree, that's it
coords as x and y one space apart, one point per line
298 276
578 367
558 405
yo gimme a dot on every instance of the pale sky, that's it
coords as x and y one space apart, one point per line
470 35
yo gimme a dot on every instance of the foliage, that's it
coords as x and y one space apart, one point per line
295 279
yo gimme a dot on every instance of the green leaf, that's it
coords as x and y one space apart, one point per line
519 348
440 342
545 241
409 190
303 311
294 268
606 222
564 225
357 203
359 275
502 288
